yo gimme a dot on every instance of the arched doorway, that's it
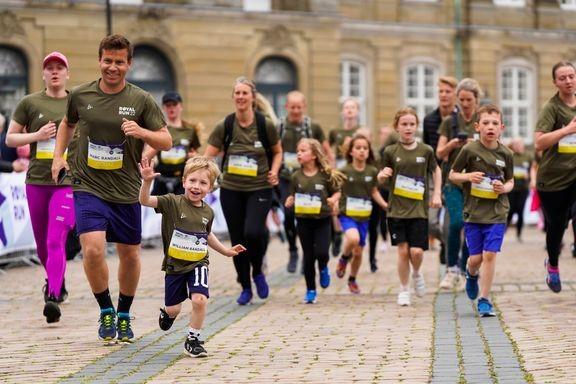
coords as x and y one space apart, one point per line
152 71
275 77
13 79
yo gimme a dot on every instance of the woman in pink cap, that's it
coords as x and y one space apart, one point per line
35 122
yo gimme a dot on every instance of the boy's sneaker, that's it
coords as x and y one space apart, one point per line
485 308
325 277
336 243
419 285
164 320
193 347
292 261
245 297
341 267
261 286
107 330
51 310
353 287
310 297
471 286
553 278
450 280
125 334
404 298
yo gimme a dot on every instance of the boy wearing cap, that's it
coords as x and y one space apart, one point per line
35 122
114 120
185 143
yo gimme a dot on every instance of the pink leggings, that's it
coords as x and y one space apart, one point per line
52 214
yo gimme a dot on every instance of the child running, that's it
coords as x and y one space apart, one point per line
410 164
314 194
356 206
485 167
186 234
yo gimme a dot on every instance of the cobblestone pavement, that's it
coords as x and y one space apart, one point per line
344 338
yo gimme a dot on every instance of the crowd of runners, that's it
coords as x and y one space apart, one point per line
102 150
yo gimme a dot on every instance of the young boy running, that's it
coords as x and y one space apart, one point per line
486 169
186 235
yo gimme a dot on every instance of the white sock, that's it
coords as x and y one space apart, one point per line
404 288
194 332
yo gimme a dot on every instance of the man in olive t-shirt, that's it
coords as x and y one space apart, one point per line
114 120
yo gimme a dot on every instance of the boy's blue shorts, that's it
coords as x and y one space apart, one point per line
484 237
121 222
179 287
362 227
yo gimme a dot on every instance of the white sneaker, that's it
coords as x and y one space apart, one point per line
419 285
404 298
449 281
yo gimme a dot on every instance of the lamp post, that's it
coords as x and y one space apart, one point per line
108 18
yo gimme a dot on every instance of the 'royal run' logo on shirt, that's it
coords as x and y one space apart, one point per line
126 111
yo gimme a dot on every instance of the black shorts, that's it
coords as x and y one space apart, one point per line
411 231
179 287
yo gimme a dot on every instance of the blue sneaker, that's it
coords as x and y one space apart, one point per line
471 286
107 330
485 308
310 297
261 286
553 278
325 277
125 334
245 297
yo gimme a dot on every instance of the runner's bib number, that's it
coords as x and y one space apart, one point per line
291 161
484 189
358 207
106 157
188 246
307 204
45 149
242 165
520 173
567 144
176 155
409 188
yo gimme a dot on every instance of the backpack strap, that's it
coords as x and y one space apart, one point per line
307 127
454 123
228 128
263 136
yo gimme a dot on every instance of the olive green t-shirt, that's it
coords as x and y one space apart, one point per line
171 163
246 166
291 134
556 170
481 204
356 199
447 131
409 190
106 164
310 194
34 111
185 230
336 138
522 163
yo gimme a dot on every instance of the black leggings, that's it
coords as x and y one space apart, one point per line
245 214
315 240
289 218
517 201
377 221
556 207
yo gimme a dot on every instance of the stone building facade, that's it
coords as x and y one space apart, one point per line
386 53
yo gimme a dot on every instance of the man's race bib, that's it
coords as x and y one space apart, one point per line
408 187
520 172
291 161
484 189
45 149
242 165
567 144
307 204
176 155
358 207
190 246
106 157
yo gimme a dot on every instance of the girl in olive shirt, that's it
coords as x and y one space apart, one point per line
314 194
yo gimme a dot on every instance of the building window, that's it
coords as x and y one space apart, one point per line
517 100
353 85
568 4
421 83
13 79
257 5
152 71
275 77
510 3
